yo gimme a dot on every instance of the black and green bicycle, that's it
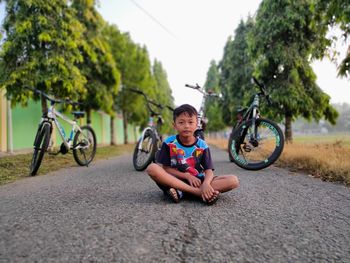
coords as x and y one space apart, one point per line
255 143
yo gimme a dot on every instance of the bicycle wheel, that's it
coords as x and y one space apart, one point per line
230 156
84 146
144 154
259 153
41 143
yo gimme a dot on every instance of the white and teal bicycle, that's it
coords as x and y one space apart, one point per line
82 140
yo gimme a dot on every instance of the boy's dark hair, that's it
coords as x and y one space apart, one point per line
184 108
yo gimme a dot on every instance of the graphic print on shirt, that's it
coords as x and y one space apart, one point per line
186 159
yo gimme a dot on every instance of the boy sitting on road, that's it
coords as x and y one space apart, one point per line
184 163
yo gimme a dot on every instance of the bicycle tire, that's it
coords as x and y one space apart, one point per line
144 156
230 156
268 148
84 154
41 142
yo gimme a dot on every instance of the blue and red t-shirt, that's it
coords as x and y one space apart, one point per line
194 159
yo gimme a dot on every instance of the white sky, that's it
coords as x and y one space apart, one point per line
195 33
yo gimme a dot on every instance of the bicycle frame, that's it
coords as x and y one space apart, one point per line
201 116
151 127
253 111
52 117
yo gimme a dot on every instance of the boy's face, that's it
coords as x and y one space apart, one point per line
185 124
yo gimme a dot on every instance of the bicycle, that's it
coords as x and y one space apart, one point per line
150 139
255 143
82 140
201 119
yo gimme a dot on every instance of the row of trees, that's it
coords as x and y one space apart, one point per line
65 48
343 122
277 46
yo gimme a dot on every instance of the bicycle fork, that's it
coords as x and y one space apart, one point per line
142 137
255 114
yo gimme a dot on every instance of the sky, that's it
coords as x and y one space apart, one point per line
185 35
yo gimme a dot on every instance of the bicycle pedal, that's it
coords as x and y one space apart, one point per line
247 148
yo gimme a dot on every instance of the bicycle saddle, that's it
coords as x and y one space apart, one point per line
78 114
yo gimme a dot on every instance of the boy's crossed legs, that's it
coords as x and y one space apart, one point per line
220 184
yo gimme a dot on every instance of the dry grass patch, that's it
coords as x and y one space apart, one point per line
328 161
13 167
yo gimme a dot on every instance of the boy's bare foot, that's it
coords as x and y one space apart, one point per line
212 200
174 195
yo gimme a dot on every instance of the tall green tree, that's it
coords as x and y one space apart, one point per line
40 50
125 51
212 107
99 66
137 73
236 71
282 42
163 93
141 78
329 14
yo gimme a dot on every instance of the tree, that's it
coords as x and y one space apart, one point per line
99 66
213 110
328 14
40 50
282 42
163 94
125 51
235 72
140 77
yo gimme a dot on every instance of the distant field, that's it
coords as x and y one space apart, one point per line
343 138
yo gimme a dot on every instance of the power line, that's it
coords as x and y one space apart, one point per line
153 18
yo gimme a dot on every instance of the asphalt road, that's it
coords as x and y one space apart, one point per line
110 213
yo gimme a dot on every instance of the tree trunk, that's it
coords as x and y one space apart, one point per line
288 127
43 105
88 117
112 131
125 127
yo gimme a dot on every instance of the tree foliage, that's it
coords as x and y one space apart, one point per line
281 43
65 48
236 71
328 14
212 107
136 73
40 49
98 65
163 94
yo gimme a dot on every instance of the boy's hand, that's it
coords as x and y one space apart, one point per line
193 181
207 191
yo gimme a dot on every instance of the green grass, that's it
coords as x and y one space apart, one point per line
14 167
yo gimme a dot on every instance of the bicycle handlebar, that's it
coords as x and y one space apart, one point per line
263 91
193 87
52 100
199 88
150 101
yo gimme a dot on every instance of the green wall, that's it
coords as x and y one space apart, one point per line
25 122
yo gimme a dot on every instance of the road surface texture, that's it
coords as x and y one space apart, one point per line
110 213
